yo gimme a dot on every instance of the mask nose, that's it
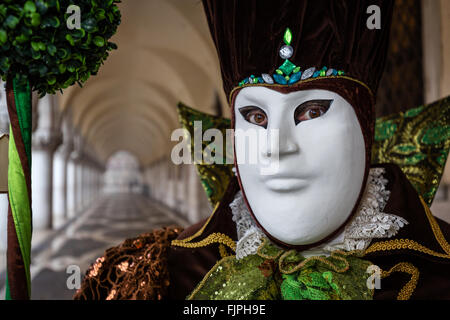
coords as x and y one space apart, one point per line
279 141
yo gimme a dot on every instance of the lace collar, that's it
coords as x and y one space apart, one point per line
368 223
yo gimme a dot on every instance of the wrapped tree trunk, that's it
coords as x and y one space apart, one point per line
19 190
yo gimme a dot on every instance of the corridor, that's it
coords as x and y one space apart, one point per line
109 221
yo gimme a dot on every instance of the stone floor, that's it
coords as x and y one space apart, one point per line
79 242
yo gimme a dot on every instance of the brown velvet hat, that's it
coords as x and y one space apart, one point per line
330 46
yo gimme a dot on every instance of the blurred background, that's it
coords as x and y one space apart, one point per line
101 168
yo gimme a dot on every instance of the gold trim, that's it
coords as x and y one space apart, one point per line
266 256
406 267
199 232
216 237
399 244
321 259
202 283
223 251
435 227
276 85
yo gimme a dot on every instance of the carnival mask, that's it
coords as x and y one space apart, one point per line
313 145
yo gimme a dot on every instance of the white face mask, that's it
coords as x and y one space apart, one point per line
321 163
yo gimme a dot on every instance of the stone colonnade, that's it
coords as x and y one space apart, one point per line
179 188
66 177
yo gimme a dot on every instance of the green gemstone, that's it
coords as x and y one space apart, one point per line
340 73
287 36
279 72
287 78
296 70
287 67
322 73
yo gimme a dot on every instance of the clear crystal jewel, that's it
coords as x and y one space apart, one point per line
267 78
308 73
286 52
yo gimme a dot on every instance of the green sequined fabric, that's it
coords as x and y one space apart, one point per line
418 141
258 277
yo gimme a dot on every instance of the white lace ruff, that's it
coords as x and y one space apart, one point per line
368 223
249 235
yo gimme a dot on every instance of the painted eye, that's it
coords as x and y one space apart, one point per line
311 110
254 115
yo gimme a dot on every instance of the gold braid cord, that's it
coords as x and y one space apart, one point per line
215 237
135 270
407 291
407 244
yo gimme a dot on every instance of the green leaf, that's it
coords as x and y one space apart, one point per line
50 22
51 49
35 19
35 45
100 14
90 25
70 39
3 10
62 68
63 53
287 36
36 55
29 6
99 41
41 6
42 70
51 80
3 37
12 21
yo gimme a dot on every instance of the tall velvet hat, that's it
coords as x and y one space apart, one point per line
293 45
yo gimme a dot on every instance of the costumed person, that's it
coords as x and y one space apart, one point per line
325 222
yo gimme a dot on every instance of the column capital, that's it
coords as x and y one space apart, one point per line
49 140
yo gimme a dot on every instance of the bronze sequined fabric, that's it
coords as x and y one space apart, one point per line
135 270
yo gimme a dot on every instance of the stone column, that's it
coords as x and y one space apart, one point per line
79 206
71 185
60 173
193 203
44 142
171 185
181 189
4 129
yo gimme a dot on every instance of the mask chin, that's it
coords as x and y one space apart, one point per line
320 170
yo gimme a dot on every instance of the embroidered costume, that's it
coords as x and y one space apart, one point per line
314 229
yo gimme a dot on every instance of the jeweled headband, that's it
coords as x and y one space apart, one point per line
289 74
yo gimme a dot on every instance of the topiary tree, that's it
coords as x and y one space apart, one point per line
42 50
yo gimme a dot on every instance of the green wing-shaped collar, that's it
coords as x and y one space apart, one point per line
214 177
418 141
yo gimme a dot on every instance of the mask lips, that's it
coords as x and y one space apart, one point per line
362 101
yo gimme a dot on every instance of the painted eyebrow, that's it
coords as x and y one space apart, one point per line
304 105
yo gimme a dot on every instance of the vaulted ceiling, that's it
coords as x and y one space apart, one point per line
165 55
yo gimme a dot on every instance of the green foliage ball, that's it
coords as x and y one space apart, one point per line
37 43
